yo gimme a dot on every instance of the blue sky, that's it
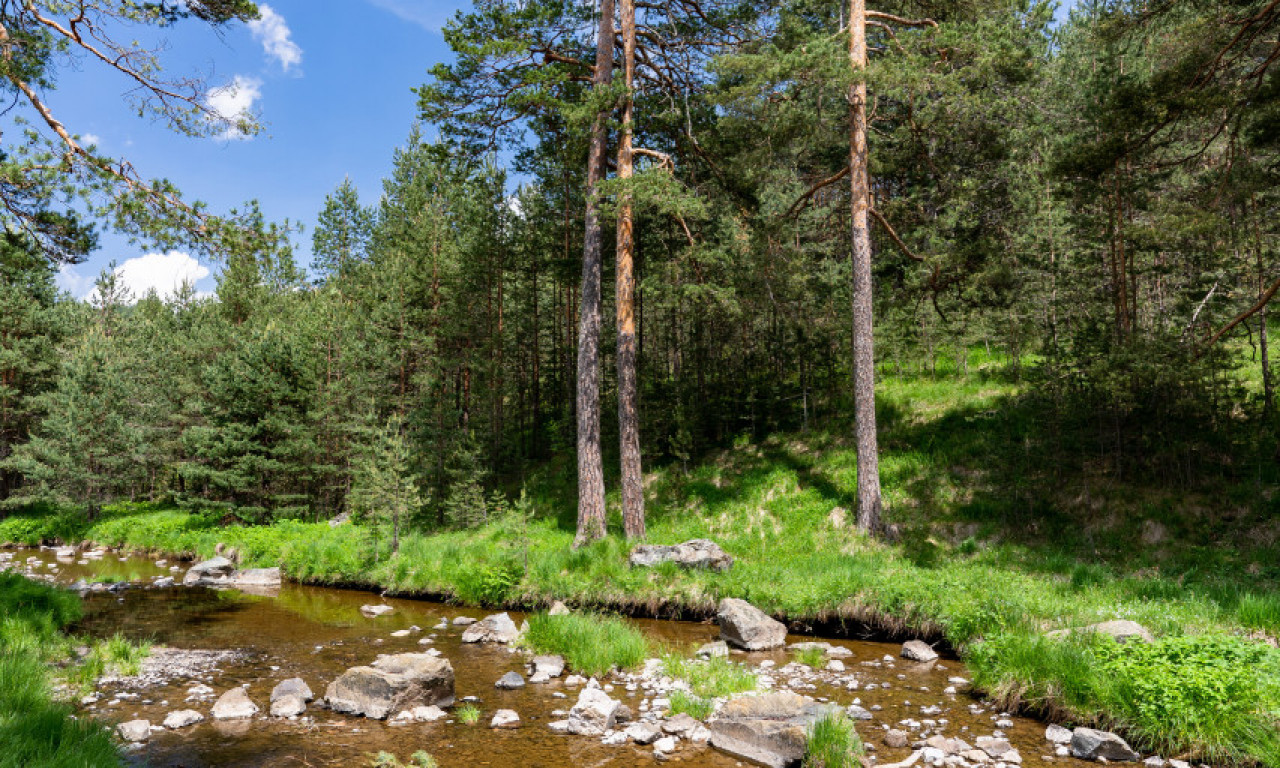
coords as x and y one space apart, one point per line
329 79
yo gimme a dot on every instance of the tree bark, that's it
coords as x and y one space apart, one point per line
864 385
628 395
591 521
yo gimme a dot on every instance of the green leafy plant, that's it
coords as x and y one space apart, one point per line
683 702
833 743
810 657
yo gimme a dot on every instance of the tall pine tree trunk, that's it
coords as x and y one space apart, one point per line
864 383
590 470
628 395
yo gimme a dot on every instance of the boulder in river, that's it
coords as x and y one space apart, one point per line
182 718
134 730
545 668
294 686
288 706
594 713
210 573
918 650
770 729
234 705
392 684
746 626
1089 744
498 628
696 553
256 578
510 681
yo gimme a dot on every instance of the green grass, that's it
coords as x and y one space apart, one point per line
590 644
113 656
710 678
683 702
833 743
419 759
810 657
997 543
36 731
467 714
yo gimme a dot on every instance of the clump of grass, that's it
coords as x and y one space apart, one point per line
590 644
810 657
468 714
833 743
423 759
710 678
683 702
113 656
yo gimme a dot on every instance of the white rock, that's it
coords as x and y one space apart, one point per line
505 718
182 718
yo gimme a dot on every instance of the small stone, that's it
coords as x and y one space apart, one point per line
288 706
374 611
135 730
505 718
1155 761
294 686
400 633
643 733
714 650
664 745
1090 744
464 621
835 665
1057 734
558 609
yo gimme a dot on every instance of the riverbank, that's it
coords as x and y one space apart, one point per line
1206 690
36 730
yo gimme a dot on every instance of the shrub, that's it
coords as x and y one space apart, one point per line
810 657
468 714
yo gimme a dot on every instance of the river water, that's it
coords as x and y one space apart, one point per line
317 633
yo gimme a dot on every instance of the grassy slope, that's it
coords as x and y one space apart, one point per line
36 731
993 545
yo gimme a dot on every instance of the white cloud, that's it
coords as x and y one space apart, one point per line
70 280
271 30
234 102
164 273
429 14
90 139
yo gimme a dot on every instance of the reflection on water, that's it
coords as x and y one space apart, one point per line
316 633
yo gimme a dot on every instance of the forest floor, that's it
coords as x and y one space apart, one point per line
993 546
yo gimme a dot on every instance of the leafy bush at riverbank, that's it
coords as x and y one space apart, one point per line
834 743
590 644
36 731
1217 692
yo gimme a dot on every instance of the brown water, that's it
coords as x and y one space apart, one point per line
316 633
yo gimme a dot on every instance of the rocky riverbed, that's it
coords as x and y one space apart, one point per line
273 676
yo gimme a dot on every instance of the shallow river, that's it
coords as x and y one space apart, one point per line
316 633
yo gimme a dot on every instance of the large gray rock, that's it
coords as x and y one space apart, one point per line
210 573
498 628
256 578
545 668
1088 744
918 650
1122 630
288 706
510 681
294 686
594 713
771 729
746 626
234 705
392 684
696 553
134 730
